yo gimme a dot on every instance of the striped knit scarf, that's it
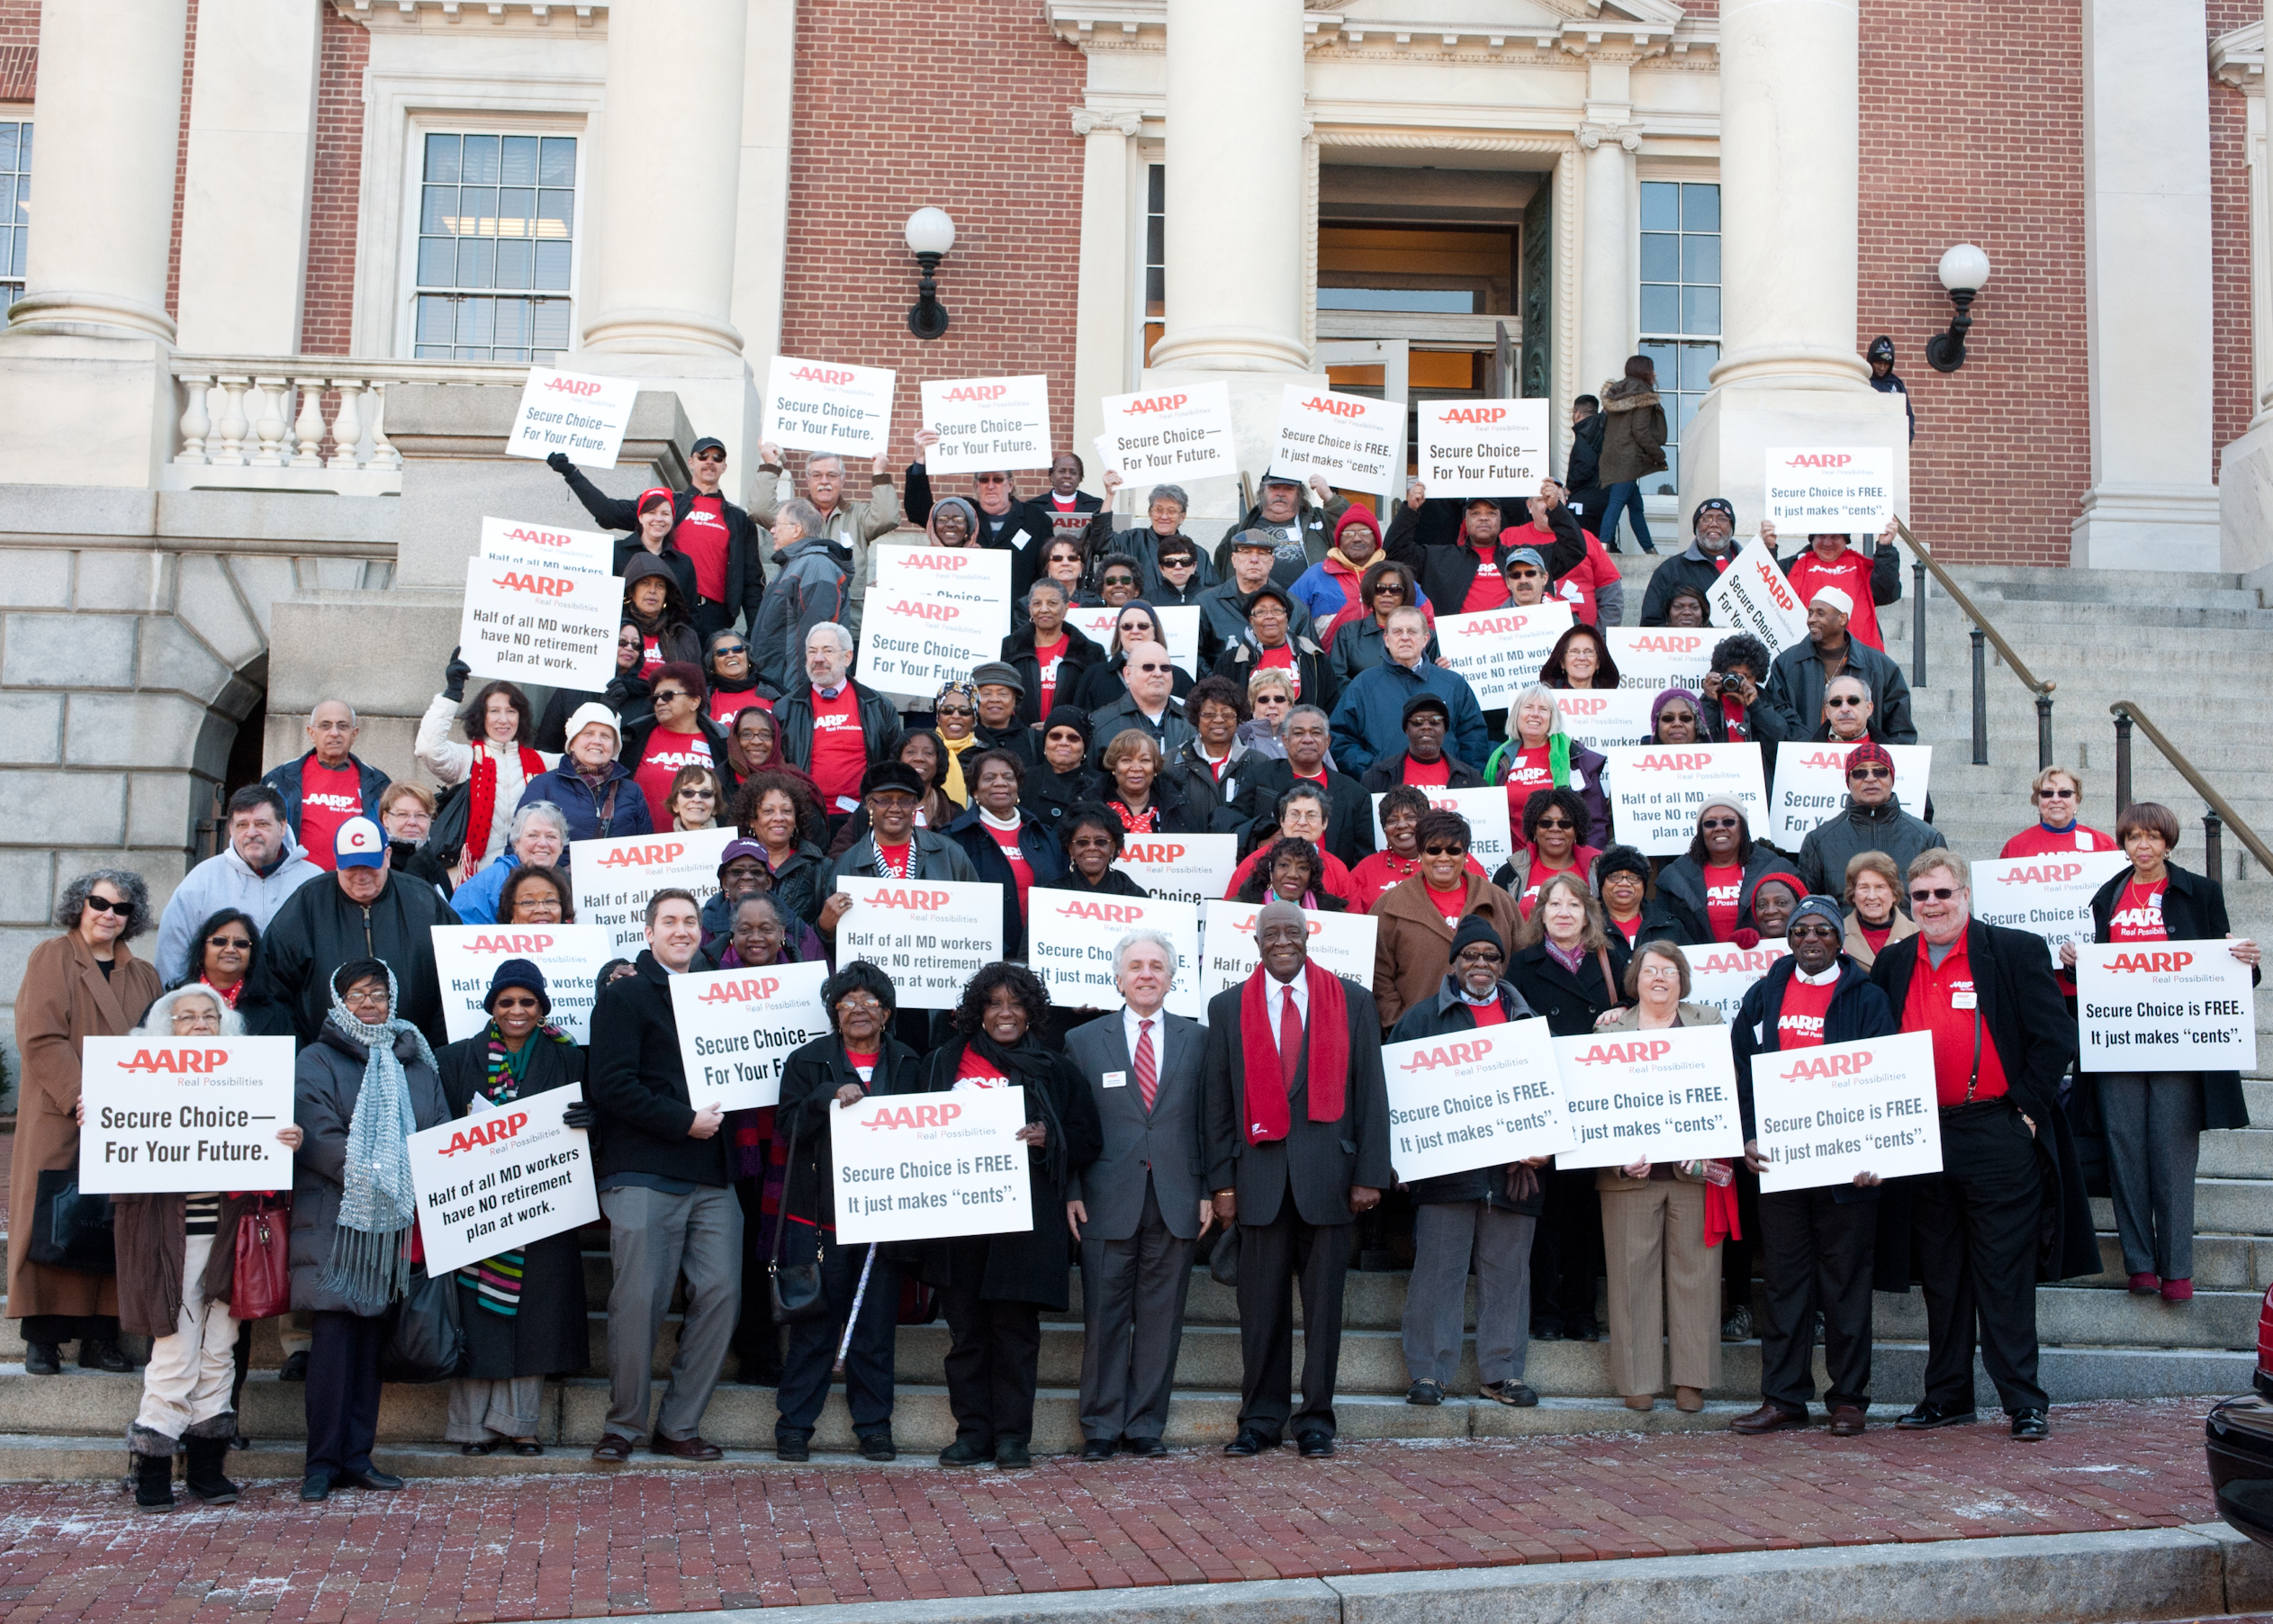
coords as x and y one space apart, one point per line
496 1282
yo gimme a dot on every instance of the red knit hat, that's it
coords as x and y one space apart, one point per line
1871 750
1356 515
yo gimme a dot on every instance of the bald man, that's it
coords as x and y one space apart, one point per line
329 784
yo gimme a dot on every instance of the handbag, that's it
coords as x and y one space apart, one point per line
261 1284
796 1289
446 837
426 1341
70 1229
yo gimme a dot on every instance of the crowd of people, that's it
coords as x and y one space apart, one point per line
1257 1142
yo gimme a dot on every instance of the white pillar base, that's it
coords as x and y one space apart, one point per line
2137 527
79 410
1256 398
1724 450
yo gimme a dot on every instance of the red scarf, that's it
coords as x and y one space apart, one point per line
1138 823
1722 1222
482 799
1267 1114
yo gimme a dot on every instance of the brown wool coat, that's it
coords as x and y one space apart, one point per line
63 1001
153 1243
1412 944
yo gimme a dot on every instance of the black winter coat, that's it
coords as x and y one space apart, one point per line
746 564
320 928
1679 569
810 1077
640 1085
1681 885
793 720
1350 812
327 1080
1796 685
2193 910
1081 652
1570 1002
637 733
1658 924
1446 569
1445 1016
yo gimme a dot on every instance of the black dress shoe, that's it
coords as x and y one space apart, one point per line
1546 1331
1249 1442
793 1449
1930 1414
372 1478
42 1358
294 1368
1011 1456
486 1445
1316 1446
1147 1448
2030 1427
1097 1448
315 1487
878 1446
104 1356
962 1452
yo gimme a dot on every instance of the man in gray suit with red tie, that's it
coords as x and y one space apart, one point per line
1297 1146
1138 1209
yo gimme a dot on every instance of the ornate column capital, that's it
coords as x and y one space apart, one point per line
1591 135
1089 121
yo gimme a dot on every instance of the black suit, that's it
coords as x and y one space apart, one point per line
1350 810
1294 1206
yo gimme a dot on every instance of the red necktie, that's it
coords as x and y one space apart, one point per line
1147 1069
1290 1039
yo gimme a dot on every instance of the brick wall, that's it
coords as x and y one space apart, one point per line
1972 130
181 168
2232 405
964 106
328 305
19 49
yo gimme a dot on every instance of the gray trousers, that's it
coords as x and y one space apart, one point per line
1133 1296
654 1238
481 1410
1444 1235
2155 1136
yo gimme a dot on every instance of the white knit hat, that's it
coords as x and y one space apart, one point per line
1831 595
591 711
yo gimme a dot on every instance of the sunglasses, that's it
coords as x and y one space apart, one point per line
1867 772
1938 894
724 649
663 696
710 456
1154 665
124 910
1179 561
1390 589
1120 581
698 794
1842 701
1554 823
1717 823
506 1000
1444 851
245 943
2055 795
953 711
991 479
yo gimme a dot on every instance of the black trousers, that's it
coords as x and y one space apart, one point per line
1566 1250
1818 1251
811 1359
757 1340
343 1392
711 617
1976 1223
60 1328
1272 1257
1736 1252
993 1358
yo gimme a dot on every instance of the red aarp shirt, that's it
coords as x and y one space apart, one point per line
1850 571
702 536
328 797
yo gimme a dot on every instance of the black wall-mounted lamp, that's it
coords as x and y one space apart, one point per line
1964 272
931 234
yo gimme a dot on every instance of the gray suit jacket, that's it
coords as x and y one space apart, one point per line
1167 1142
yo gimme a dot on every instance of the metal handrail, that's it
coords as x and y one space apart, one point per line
2126 712
1982 628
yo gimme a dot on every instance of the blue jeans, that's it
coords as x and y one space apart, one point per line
1625 494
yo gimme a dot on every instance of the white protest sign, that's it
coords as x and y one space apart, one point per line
1491 842
1352 441
826 406
1483 447
1071 937
922 1166
736 1027
1500 651
554 626
1754 596
497 1180
1848 488
615 878
2048 894
170 1116
1657 657
1180 621
1721 973
986 425
1181 867
465 956
1658 790
2164 1006
932 615
929 935
1474 1099
1811 786
1605 719
1340 943
569 412
1826 1113
1667 1095
1181 431
526 545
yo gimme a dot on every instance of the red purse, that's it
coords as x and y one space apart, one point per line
261 1286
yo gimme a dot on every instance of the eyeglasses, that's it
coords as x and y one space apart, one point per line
245 943
724 649
1445 850
1868 771
860 1000
663 696
1842 701
1554 823
1658 972
693 794
124 910
508 1001
1938 894
364 997
1717 823
992 479
2049 794
1153 665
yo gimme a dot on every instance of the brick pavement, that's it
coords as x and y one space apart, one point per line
542 1547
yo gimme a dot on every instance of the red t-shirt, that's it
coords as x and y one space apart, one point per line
840 754
1447 903
1021 869
1281 658
1487 1014
1723 900
1439 771
328 797
701 536
896 859
1850 571
865 1064
1942 1002
1046 664
978 1073
658 763
652 658
1631 929
725 707
2138 915
1528 773
1877 934
2038 841
1489 590
1799 1024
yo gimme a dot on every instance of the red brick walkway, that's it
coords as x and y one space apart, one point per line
449 1550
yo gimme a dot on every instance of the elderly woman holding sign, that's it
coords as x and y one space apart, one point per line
2155 1119
1658 1239
524 1310
178 1269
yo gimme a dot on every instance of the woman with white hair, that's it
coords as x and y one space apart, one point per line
539 840
1540 755
175 1272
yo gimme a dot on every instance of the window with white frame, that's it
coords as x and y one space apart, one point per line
497 239
15 208
1154 264
1680 305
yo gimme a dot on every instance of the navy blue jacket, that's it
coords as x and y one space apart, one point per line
1858 1010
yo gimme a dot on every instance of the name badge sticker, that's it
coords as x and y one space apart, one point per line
1116 1079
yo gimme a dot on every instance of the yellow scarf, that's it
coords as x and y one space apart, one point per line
954 782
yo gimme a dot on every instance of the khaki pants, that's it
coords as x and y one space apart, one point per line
1662 1279
186 1382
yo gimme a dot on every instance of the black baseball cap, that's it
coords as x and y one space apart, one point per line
707 443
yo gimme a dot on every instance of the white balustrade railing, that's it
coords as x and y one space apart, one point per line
258 422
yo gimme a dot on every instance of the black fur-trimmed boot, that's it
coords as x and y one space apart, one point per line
207 1445
153 1456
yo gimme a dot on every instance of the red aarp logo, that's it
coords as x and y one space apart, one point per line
576 386
1447 1054
509 944
834 376
494 1129
1816 1068
1666 643
542 586
177 1061
2158 964
644 857
1750 962
1157 403
2046 873
1820 459
927 611
1103 913
1152 851
1642 1052
748 990
1677 762
938 558
1333 408
921 902
1480 417
975 392
913 1116
1245 927
543 538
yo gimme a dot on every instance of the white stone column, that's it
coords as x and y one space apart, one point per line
247 187
2147 289
769 98
1105 314
1606 248
1790 162
108 112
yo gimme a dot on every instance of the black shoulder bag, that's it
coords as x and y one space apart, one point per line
796 1289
